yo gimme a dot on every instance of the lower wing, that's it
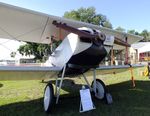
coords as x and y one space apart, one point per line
42 72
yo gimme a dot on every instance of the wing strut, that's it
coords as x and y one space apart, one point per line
121 42
126 57
112 56
60 34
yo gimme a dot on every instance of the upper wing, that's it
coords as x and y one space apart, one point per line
26 25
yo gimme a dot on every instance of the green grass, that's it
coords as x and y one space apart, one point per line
25 98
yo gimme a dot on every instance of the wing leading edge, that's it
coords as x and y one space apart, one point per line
39 73
28 72
102 70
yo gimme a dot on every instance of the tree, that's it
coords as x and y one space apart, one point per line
120 29
133 32
146 35
40 51
88 15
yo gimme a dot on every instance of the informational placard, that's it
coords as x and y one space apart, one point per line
86 100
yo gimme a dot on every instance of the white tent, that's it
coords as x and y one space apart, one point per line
141 47
145 48
138 48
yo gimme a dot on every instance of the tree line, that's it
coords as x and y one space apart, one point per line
88 15
144 33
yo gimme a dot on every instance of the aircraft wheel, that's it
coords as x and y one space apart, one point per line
100 89
48 97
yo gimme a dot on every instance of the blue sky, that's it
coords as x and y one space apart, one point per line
129 14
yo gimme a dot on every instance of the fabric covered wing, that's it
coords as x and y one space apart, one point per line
21 24
26 25
102 70
27 72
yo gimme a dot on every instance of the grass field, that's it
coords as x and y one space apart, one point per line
25 98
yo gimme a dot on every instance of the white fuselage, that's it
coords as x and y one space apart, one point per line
70 46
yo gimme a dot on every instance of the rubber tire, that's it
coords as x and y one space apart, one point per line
101 84
49 89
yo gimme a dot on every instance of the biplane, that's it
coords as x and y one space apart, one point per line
82 49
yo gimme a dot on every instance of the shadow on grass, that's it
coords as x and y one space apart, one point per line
1 85
68 85
127 101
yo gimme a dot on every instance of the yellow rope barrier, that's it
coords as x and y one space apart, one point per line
132 77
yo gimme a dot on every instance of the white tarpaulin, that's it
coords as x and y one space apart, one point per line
145 48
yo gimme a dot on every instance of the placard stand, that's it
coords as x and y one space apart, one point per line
86 103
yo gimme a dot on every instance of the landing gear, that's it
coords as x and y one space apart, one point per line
49 93
48 97
99 89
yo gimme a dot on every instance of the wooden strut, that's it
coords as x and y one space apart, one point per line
121 42
51 44
60 34
126 57
112 56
